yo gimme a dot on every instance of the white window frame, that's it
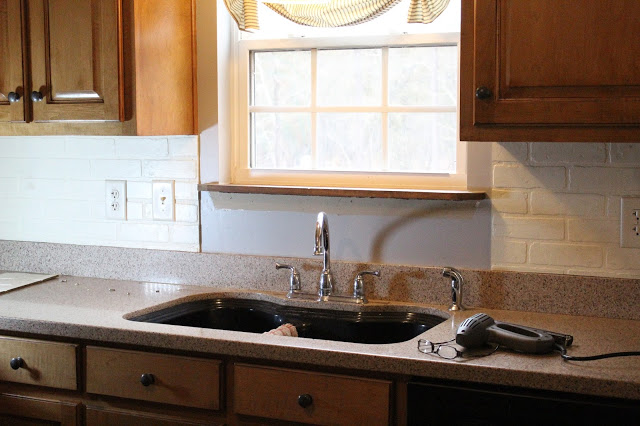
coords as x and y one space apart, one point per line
242 173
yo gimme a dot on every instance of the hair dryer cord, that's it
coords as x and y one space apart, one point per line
563 354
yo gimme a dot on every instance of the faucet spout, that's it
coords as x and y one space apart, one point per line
322 248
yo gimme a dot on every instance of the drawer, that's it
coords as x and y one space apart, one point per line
42 363
192 382
330 399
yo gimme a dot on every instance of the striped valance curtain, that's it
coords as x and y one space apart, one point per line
332 13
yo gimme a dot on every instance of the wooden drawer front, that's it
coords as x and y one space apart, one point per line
97 416
192 382
274 392
43 363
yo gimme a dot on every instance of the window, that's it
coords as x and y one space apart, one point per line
365 109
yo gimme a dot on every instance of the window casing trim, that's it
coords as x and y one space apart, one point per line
241 171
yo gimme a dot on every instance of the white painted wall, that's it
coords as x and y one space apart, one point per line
52 189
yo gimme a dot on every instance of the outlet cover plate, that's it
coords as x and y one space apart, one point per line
163 200
630 222
116 199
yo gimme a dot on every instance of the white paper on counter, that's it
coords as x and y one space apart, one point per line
13 280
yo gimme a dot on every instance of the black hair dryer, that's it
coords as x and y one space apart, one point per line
481 329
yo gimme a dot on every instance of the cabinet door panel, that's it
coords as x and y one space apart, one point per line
76 59
550 65
11 60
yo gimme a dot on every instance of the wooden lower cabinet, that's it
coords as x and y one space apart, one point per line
18 410
97 416
310 397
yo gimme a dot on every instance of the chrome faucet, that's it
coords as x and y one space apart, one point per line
322 248
456 288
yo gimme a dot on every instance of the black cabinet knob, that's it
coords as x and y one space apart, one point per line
36 96
305 400
483 92
13 97
147 379
16 363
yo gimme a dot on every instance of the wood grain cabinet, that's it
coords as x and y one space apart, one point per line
544 70
37 362
113 67
310 397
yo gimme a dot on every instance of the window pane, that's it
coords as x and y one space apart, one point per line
282 78
349 141
281 141
424 142
423 76
349 77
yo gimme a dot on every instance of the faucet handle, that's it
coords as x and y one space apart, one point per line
294 279
456 288
358 285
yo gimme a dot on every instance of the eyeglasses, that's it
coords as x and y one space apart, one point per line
446 351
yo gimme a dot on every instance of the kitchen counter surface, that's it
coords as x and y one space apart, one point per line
95 310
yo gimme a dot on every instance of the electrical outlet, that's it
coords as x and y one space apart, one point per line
630 222
163 200
116 199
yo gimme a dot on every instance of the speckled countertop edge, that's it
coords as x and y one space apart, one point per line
94 310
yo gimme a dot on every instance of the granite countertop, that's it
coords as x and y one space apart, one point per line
95 309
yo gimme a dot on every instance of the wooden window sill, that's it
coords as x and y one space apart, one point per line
403 194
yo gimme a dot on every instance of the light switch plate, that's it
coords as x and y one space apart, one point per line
116 199
163 200
630 222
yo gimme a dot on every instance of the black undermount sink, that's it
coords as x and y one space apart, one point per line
256 316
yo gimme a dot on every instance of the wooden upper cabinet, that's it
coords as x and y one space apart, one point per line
97 67
548 70
12 78
75 65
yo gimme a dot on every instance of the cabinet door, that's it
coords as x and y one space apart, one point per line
18 410
530 68
75 59
11 61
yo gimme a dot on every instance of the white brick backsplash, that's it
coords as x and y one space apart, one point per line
509 152
8 186
613 207
528 228
170 169
565 254
32 147
66 209
115 169
184 147
624 258
625 153
44 168
506 251
186 191
134 211
186 213
16 207
510 176
605 180
11 229
509 201
76 147
184 234
52 189
564 153
139 148
147 211
139 190
549 203
587 230
143 232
